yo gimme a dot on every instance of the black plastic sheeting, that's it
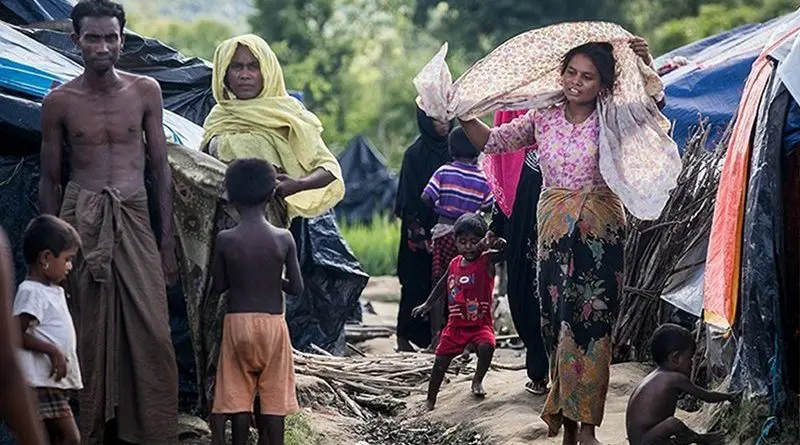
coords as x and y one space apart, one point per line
334 280
371 186
25 12
758 363
185 82
19 188
370 190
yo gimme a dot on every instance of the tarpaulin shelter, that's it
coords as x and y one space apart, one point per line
751 284
35 60
709 87
747 288
23 12
711 84
371 186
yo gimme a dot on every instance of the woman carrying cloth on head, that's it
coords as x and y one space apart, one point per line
256 118
602 144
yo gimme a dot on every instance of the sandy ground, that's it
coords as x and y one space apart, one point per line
509 415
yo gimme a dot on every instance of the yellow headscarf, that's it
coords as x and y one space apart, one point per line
273 126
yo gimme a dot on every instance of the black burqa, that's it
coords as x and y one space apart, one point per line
420 161
519 231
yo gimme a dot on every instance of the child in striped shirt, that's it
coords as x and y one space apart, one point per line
456 188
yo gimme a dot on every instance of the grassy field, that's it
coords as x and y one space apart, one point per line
375 245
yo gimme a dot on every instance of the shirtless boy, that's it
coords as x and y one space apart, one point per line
650 418
111 123
256 352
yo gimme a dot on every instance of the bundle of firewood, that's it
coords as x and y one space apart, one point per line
654 248
355 333
366 385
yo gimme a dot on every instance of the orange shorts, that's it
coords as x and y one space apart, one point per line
255 357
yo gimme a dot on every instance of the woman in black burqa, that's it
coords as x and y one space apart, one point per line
420 161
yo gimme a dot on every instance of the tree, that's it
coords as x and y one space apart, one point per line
711 18
194 39
478 26
354 60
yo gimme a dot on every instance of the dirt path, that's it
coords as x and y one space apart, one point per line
509 415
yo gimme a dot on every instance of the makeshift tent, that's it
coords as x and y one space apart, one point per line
29 69
371 186
711 84
709 87
747 288
23 12
751 268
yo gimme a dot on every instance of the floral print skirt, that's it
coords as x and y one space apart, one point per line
580 276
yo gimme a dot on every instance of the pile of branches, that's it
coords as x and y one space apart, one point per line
654 248
416 431
367 385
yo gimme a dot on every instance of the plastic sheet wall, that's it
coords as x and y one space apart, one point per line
371 186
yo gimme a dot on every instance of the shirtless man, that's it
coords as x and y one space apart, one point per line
112 125
16 405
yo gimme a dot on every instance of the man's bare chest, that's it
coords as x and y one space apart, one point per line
105 122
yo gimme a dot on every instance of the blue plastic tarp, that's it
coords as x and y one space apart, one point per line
710 86
30 69
25 12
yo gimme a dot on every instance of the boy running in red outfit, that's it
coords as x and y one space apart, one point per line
469 281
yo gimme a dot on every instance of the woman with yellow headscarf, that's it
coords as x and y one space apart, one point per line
256 118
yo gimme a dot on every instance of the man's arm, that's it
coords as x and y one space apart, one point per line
685 384
15 398
162 176
52 139
293 284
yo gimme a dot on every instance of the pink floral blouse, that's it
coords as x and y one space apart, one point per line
568 153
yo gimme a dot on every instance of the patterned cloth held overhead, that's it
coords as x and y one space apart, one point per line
638 159
457 188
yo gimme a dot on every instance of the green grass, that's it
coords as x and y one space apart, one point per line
375 245
299 431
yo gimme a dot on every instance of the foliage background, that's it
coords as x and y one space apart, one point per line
355 59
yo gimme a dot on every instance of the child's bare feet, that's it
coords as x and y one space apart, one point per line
477 389
714 438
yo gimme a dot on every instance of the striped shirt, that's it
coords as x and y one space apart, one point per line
458 188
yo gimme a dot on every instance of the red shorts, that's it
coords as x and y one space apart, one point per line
455 339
